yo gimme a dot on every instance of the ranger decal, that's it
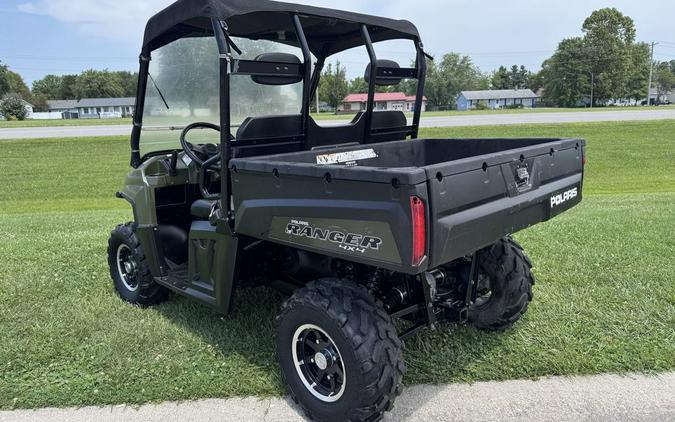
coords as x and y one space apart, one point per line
350 242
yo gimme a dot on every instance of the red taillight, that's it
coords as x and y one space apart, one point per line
419 230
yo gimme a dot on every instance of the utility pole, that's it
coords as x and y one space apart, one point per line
318 110
651 74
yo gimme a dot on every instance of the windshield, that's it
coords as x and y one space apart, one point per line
183 88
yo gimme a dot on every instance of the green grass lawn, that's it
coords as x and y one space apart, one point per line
604 301
69 122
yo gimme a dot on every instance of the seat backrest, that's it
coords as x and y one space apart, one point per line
268 135
390 119
390 125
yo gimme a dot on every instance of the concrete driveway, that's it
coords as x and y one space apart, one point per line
594 399
446 121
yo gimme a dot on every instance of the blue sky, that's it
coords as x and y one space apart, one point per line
68 36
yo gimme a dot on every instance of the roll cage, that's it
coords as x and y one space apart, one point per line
259 19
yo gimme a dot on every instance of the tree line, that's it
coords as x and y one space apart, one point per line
88 84
605 63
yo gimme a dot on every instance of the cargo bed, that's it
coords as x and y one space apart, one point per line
474 190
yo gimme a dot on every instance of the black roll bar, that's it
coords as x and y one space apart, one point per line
143 72
371 83
421 78
219 31
307 79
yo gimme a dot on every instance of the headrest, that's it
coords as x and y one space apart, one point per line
277 80
384 81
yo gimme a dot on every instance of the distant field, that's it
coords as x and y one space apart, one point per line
604 300
327 116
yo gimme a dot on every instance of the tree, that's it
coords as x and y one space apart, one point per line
68 90
608 39
128 81
358 86
13 106
97 84
333 86
451 75
17 85
605 61
637 72
500 79
535 81
567 74
48 87
665 80
4 79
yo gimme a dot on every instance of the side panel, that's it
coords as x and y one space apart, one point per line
212 266
359 221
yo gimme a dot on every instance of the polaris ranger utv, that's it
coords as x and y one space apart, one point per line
375 233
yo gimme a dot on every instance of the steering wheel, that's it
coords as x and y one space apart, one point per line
207 150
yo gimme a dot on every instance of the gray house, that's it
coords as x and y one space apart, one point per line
94 108
495 99
67 108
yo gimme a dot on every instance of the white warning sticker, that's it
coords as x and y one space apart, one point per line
349 157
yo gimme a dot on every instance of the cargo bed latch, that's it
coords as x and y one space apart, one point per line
522 176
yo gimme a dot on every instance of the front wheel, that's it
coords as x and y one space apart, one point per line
129 269
504 286
339 352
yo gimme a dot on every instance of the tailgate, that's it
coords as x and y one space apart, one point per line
476 201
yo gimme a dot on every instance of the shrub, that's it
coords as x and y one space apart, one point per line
480 106
12 106
514 106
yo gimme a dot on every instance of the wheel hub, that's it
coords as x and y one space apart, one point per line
126 267
129 267
318 363
324 359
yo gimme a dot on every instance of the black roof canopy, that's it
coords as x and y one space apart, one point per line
328 31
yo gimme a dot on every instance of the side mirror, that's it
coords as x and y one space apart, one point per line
383 80
279 59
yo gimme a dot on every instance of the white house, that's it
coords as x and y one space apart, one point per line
495 99
383 101
93 108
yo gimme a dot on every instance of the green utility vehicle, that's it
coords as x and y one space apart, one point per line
373 232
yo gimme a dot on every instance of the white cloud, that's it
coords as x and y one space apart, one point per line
111 19
121 19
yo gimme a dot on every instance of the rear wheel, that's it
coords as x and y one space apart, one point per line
339 352
129 269
504 286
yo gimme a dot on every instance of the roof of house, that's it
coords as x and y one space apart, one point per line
106 102
498 94
90 102
380 96
61 104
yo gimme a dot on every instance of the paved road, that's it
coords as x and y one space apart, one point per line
594 399
447 121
